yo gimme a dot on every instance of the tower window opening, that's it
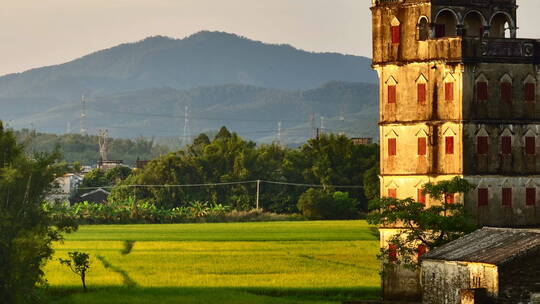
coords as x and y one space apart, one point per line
421 93
423 29
481 91
449 145
530 92
421 198
422 146
506 145
507 196
530 145
482 145
482 197
392 94
396 34
449 91
392 149
506 92
530 199
392 193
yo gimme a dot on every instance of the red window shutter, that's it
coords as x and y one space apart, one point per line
482 145
449 199
530 92
440 30
530 145
422 146
422 249
392 253
392 193
396 34
530 196
449 91
506 92
392 149
421 197
482 197
481 91
506 143
507 196
449 140
421 88
392 94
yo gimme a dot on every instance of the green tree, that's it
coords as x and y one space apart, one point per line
320 204
421 227
78 263
26 230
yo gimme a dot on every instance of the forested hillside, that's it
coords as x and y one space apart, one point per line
203 59
253 112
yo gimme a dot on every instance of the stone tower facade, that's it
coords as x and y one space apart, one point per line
458 97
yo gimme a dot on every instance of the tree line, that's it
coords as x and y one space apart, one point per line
328 160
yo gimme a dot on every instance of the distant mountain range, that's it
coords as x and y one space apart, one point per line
143 88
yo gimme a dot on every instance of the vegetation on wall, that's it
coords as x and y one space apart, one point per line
421 228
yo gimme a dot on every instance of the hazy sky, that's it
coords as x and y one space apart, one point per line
35 33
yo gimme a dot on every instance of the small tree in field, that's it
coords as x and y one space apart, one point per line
420 228
79 263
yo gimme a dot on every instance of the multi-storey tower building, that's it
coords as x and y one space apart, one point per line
458 97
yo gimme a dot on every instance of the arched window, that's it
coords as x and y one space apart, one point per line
446 24
501 25
474 24
423 28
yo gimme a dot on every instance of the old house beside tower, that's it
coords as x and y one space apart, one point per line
458 97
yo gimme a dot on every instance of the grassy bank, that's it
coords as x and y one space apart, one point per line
278 262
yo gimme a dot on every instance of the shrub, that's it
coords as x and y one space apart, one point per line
321 204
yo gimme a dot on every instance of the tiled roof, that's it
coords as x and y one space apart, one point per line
494 246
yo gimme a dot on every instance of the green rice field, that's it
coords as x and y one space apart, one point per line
275 262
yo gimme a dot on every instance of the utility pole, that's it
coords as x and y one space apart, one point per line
258 191
187 137
84 131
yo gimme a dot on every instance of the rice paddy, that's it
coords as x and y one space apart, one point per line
277 262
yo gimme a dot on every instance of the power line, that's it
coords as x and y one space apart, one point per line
224 184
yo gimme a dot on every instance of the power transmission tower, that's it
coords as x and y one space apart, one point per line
280 135
84 131
104 145
322 124
186 139
312 126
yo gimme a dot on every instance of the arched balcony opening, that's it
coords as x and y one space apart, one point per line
501 26
423 28
473 24
446 24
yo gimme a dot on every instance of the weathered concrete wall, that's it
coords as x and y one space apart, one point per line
407 160
519 279
400 283
494 109
495 214
495 162
406 79
443 281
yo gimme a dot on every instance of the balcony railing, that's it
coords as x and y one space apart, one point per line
500 49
